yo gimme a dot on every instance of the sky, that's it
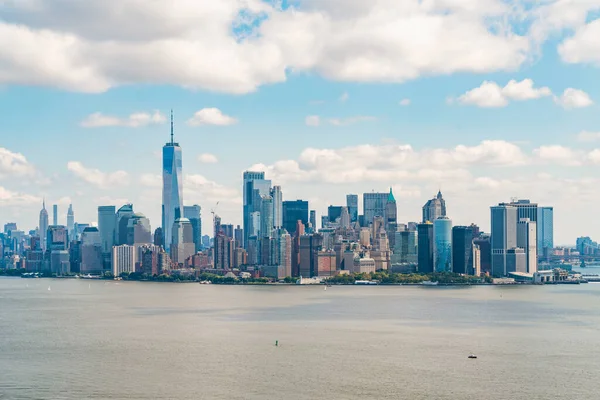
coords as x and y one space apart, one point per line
486 100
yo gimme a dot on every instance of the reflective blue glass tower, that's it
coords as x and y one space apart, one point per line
442 255
172 205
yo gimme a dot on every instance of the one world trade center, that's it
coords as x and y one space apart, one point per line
172 204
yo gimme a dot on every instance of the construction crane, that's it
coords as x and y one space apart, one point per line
215 216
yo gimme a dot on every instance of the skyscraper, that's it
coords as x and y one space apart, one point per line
55 215
57 238
442 232
193 213
71 223
172 201
224 247
266 217
527 240
92 261
434 208
138 230
122 216
345 218
294 211
277 207
425 248
255 186
462 250
352 204
106 225
391 218
334 212
374 205
504 236
182 242
545 230
313 220
43 227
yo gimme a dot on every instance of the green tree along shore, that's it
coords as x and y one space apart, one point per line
387 278
382 277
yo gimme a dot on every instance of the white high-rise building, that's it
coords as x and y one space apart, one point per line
43 227
527 240
504 236
123 259
71 223
172 204
182 241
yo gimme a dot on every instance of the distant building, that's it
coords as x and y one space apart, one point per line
266 217
59 262
238 236
138 230
193 213
55 214
172 190
43 226
325 263
224 252
57 238
158 237
483 242
123 259
527 240
504 236
182 243
462 250
255 186
312 227
107 225
405 247
334 212
391 218
294 211
425 248
352 204
92 261
545 230
434 208
442 232
310 245
122 222
516 260
374 205
277 207
71 222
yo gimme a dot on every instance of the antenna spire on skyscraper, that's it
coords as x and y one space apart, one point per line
172 126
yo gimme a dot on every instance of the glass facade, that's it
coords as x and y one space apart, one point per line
545 229
294 211
172 204
442 232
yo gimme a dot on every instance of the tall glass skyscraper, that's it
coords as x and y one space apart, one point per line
442 255
352 204
545 229
43 227
255 186
172 205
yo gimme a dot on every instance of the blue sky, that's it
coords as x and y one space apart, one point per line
328 97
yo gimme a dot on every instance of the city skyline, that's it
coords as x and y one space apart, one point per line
518 120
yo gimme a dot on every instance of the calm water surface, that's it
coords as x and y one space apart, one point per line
126 340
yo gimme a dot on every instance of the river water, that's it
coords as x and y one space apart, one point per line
134 340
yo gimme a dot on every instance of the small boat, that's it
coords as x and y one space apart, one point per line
472 356
429 283
325 288
48 287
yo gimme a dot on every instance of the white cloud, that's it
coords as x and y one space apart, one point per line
14 164
208 158
135 120
491 95
350 120
573 98
404 102
94 48
312 120
103 180
586 136
583 47
344 97
392 163
151 180
559 155
10 198
211 116
594 156
196 187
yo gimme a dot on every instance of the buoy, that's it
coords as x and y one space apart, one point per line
277 343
